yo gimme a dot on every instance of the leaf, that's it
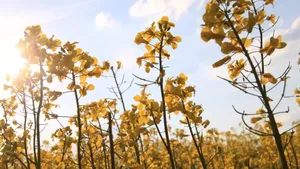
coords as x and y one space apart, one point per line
139 61
6 87
106 65
297 91
183 121
49 79
148 47
268 77
90 87
71 86
281 45
83 79
182 77
78 50
272 18
275 41
10 133
2 124
53 95
235 68
15 122
95 61
137 98
298 100
270 50
221 62
19 149
97 71
251 22
165 19
119 64
82 92
205 123
143 119
121 134
269 2
255 119
260 111
190 89
77 87
147 68
139 39
165 53
260 16
43 39
246 42
178 39
174 45
92 130
269 99
227 47
207 34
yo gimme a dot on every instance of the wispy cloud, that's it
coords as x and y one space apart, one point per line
69 10
105 20
200 4
157 8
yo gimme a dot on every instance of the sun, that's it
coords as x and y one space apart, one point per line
10 63
10 60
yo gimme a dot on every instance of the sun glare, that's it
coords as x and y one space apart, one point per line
11 61
10 64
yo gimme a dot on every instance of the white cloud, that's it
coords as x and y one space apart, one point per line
293 33
200 4
104 20
290 34
157 8
296 23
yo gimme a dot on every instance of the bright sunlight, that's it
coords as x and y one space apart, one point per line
11 61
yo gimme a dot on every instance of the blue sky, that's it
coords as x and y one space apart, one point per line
106 29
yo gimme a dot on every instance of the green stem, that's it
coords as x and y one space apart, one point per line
111 141
161 85
79 123
38 113
25 136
